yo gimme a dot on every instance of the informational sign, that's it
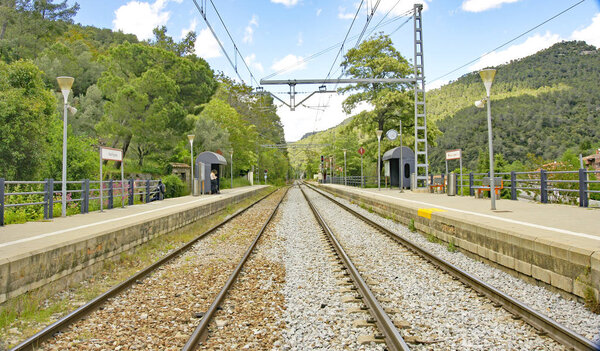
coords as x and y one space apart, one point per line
453 154
391 134
361 150
111 154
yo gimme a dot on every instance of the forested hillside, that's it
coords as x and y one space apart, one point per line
142 97
542 105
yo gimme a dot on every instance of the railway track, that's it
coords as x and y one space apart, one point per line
168 299
519 311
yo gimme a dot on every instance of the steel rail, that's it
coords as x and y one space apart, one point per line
202 328
393 338
33 342
539 321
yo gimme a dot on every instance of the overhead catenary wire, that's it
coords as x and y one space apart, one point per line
235 47
512 40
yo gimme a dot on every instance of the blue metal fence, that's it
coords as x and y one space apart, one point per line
44 193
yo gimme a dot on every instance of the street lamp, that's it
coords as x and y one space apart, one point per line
192 182
379 132
65 84
231 155
345 171
487 75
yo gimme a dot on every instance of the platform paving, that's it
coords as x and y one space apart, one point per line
552 243
34 253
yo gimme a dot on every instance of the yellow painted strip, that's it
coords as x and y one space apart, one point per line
426 212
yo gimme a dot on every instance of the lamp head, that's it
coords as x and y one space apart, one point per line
487 76
65 84
379 132
479 104
191 138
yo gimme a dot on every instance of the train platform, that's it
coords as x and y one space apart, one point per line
36 253
558 245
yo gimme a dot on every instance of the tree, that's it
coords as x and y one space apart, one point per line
28 118
377 58
149 93
163 41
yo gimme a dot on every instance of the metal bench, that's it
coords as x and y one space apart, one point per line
485 185
437 183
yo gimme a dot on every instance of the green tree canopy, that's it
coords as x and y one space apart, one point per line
28 118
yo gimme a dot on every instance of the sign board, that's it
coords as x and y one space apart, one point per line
391 134
453 154
361 151
111 154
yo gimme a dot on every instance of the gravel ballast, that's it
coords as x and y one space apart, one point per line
442 313
571 314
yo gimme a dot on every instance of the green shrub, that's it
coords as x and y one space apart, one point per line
174 186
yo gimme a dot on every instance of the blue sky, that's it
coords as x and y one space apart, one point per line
277 34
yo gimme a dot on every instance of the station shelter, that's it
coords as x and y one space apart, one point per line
391 159
204 164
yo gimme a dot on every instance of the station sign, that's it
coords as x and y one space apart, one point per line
107 153
453 154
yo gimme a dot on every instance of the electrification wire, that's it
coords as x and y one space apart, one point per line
324 51
510 41
234 44
236 50
369 18
345 38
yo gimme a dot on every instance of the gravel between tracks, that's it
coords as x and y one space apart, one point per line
572 314
158 313
315 316
439 310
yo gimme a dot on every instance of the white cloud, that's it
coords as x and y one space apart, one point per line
484 5
300 39
319 12
530 46
287 3
251 61
293 62
399 8
206 45
436 84
342 14
304 119
591 33
191 28
249 31
140 18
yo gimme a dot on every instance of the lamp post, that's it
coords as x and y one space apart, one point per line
487 76
192 182
379 132
231 156
65 84
345 171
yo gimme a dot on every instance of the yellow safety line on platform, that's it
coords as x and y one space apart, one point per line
533 225
426 212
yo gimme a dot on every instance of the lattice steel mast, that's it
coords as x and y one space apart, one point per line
421 160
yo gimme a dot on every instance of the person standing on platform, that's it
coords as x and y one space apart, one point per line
213 182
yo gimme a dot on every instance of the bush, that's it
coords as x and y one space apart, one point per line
174 186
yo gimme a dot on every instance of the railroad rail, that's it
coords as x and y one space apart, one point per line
384 323
202 328
539 321
36 340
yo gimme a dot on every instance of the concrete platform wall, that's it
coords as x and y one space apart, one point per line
568 269
69 263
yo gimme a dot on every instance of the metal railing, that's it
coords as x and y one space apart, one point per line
358 181
543 186
14 193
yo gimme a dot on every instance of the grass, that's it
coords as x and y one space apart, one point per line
589 296
33 310
411 225
451 247
433 239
